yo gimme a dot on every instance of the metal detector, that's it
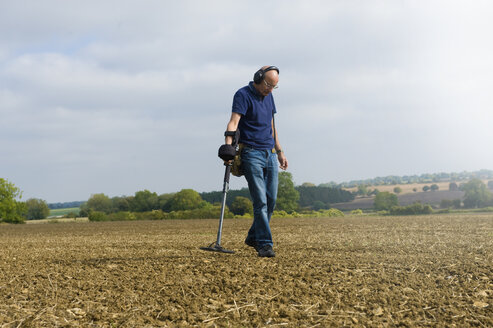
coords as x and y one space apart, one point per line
216 246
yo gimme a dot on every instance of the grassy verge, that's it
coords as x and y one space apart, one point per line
64 211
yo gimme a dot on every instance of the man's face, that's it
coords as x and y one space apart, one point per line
269 83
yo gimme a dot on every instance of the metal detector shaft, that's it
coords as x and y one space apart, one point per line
216 247
223 205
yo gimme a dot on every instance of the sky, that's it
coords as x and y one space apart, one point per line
119 96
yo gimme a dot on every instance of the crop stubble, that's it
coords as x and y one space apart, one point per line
353 271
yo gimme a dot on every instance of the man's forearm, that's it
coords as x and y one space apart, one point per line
232 126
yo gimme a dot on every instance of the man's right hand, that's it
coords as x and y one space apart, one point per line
227 152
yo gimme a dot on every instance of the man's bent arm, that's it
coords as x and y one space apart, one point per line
232 126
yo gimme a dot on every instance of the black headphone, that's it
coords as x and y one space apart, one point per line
260 74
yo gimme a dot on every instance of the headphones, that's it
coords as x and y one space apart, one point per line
260 74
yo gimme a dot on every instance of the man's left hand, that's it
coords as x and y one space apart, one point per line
283 161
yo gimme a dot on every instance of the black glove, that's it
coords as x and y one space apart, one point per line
227 152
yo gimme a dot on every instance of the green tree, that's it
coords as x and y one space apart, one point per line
330 184
241 205
37 209
397 190
11 210
373 192
426 188
144 201
97 202
327 195
308 184
362 190
216 197
453 186
385 200
165 201
186 199
121 204
434 187
476 194
287 195
319 205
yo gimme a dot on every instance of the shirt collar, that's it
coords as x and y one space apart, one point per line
254 91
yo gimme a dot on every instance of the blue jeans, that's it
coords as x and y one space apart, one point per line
260 169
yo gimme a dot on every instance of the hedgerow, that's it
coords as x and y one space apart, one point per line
413 209
333 212
208 212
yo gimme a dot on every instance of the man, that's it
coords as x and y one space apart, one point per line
253 113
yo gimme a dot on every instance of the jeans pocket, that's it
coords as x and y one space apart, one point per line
246 150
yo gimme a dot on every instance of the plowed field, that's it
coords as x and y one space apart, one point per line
427 271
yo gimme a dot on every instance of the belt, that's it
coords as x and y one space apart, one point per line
241 146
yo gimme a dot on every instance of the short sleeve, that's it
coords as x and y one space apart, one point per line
240 104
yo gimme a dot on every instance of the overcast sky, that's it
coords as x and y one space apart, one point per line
119 96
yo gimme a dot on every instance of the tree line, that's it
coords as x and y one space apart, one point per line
409 179
291 199
54 206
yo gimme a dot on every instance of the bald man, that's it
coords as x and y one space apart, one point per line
253 113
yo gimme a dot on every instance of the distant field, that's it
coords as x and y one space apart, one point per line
430 197
57 220
407 196
408 188
63 211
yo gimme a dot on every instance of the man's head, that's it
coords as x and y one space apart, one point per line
266 79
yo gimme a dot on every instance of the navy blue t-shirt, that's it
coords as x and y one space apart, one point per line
255 123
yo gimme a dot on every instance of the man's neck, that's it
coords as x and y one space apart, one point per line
255 86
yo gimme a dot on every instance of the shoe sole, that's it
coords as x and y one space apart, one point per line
267 255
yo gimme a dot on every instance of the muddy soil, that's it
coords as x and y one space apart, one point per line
426 271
